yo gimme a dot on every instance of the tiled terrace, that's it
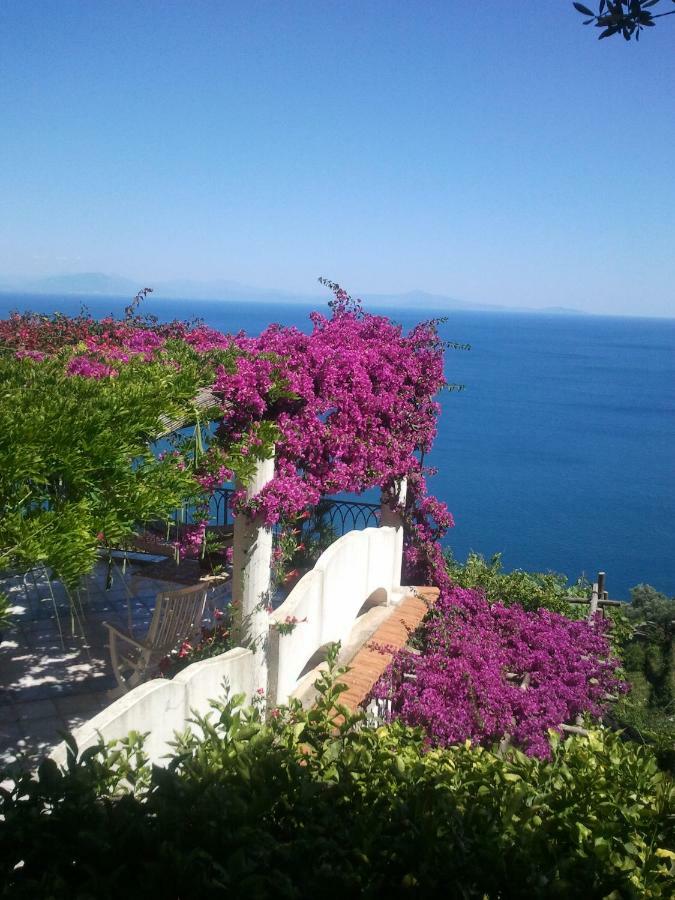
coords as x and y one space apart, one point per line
55 668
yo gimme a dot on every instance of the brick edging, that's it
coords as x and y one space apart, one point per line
369 664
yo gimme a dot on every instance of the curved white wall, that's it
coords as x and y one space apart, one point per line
329 598
163 707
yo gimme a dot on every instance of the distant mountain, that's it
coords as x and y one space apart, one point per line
183 289
97 283
424 300
222 289
564 311
81 283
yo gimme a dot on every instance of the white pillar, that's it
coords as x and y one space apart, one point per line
394 518
251 576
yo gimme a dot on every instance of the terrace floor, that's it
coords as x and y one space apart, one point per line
55 670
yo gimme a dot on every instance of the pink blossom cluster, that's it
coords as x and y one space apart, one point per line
122 341
209 481
87 367
282 498
354 404
35 355
107 340
244 393
490 671
203 338
192 540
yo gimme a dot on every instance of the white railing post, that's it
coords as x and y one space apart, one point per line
251 577
394 518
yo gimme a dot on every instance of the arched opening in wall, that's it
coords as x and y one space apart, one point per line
377 598
315 660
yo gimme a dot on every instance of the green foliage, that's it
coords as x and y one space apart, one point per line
625 17
313 803
532 590
76 466
653 610
5 607
645 724
648 713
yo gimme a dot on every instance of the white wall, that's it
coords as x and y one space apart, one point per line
163 707
358 566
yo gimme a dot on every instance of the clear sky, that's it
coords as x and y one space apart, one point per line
493 151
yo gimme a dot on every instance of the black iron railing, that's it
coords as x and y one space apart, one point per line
340 515
330 516
348 515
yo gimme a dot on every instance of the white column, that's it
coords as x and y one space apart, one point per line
394 519
251 575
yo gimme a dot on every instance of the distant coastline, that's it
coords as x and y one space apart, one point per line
103 285
114 287
414 302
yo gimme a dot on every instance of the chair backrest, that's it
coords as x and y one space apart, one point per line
177 617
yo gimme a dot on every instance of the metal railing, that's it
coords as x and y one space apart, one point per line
347 515
329 514
340 515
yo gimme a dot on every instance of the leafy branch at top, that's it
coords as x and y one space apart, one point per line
626 17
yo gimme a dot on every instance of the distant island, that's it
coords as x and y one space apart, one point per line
98 283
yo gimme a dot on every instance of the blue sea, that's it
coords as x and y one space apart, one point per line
559 453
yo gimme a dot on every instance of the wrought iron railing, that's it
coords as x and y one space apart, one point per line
340 515
332 516
348 515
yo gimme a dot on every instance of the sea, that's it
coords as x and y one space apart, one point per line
559 453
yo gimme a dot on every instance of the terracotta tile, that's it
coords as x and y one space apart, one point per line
369 663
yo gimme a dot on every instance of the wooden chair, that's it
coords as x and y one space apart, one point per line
177 617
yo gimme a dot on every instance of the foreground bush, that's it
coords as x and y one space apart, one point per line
316 805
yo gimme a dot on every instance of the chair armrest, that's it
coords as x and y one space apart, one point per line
143 645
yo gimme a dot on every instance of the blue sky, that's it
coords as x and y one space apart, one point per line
493 151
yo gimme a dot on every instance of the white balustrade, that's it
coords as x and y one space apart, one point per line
325 603
162 707
360 567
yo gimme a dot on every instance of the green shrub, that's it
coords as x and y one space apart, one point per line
316 804
648 713
532 590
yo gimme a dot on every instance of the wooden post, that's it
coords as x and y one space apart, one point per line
251 577
394 518
596 595
601 584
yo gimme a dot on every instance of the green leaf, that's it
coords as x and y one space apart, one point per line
584 10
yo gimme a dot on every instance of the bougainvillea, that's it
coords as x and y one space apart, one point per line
488 671
358 404
347 406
